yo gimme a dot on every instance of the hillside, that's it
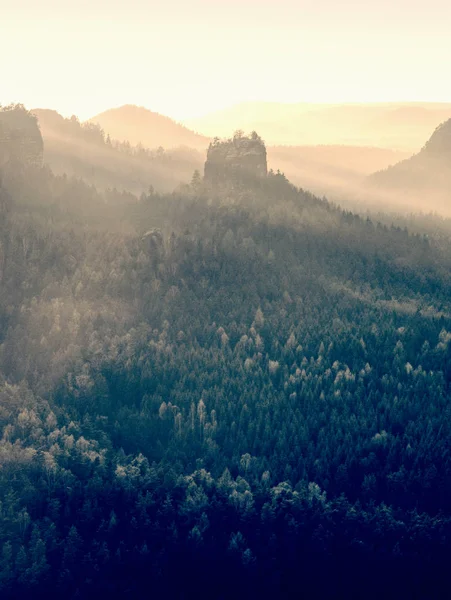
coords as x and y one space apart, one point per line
138 125
74 148
425 174
87 151
398 126
237 383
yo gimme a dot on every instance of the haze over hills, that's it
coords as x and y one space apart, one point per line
343 173
398 126
327 170
426 174
138 125
86 151
90 151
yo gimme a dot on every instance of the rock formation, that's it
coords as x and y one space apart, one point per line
236 158
20 137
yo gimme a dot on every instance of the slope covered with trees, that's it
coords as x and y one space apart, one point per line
228 391
85 150
427 173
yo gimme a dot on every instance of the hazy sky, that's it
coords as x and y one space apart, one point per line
184 58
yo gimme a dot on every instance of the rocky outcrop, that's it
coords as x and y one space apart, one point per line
236 158
20 137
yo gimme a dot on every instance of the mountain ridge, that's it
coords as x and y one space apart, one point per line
429 164
426 172
140 125
86 150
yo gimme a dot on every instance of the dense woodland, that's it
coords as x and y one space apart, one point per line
233 391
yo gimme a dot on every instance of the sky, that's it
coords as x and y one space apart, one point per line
186 58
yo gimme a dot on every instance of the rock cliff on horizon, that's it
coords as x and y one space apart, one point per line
238 157
20 137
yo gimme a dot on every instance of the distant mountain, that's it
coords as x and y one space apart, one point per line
426 174
399 126
87 151
140 125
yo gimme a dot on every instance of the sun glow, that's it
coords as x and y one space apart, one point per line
187 61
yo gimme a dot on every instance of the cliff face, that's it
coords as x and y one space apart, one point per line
239 157
20 137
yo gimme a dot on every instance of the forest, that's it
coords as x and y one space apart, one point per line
230 390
